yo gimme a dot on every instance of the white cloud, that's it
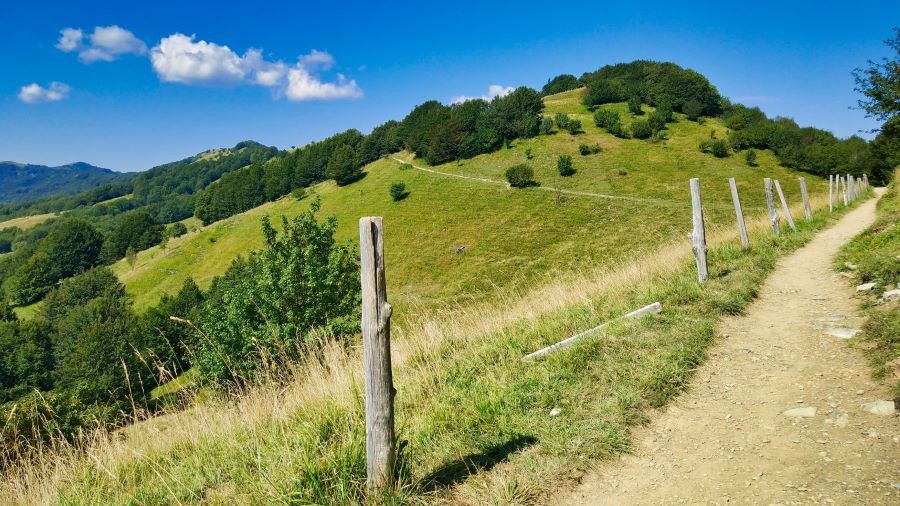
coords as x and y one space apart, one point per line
494 90
36 94
70 39
183 59
179 59
106 43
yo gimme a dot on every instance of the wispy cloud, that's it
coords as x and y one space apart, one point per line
106 43
494 90
34 93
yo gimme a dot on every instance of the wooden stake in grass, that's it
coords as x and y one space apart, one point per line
376 331
807 211
770 204
830 181
784 206
738 211
844 188
698 235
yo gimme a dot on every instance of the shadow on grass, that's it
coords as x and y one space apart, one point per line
457 471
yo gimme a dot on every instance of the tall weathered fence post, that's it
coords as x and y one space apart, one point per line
698 235
376 331
742 228
850 195
787 210
807 211
770 204
830 193
844 184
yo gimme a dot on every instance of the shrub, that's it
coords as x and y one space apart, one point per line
585 150
609 121
528 154
176 229
715 147
692 109
398 191
664 108
562 120
623 172
640 129
564 165
520 176
574 126
546 126
657 121
603 91
750 157
634 105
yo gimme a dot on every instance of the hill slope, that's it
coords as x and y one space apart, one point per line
456 240
21 182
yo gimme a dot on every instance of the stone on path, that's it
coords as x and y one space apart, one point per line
891 295
880 408
802 412
865 287
842 332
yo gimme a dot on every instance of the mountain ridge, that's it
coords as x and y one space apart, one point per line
21 182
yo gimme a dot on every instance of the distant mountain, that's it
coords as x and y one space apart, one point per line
22 182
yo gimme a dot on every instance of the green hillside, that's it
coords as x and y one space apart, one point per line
455 240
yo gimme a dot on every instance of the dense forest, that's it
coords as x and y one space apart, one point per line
87 357
26 182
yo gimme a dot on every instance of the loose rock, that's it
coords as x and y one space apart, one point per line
884 408
865 287
802 412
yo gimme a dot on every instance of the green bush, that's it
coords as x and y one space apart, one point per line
562 120
715 147
664 108
520 176
574 126
692 109
603 91
546 126
657 121
750 157
559 84
609 121
398 191
634 105
585 150
176 229
564 165
640 129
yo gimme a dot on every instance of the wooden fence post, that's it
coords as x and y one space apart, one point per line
698 235
742 228
807 211
844 185
770 204
850 195
787 210
830 200
376 330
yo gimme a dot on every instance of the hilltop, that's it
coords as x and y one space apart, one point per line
21 182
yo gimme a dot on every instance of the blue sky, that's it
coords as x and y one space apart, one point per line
162 86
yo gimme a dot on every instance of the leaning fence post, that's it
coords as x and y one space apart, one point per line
742 228
787 210
830 206
770 204
376 331
807 211
698 235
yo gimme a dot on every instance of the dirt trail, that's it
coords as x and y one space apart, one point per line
728 438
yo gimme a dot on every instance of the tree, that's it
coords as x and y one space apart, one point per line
137 230
750 157
520 176
603 91
640 129
342 166
692 109
398 191
176 229
880 84
564 165
634 105
279 303
559 84
664 108
6 311
657 121
131 257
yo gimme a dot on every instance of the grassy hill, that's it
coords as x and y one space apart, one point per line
455 240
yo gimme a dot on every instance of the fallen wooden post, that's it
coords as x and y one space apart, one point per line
787 210
739 212
770 204
656 307
807 211
376 331
698 235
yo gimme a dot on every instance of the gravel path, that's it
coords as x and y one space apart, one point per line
780 412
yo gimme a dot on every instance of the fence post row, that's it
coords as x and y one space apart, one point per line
784 206
739 212
698 235
807 211
376 331
770 204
